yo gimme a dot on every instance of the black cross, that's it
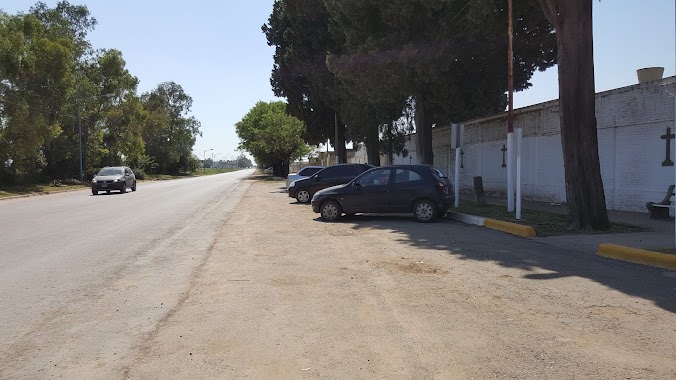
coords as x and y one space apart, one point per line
668 137
462 158
504 149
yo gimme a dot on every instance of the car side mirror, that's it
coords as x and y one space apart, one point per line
356 185
318 177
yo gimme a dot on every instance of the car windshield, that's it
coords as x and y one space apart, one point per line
111 171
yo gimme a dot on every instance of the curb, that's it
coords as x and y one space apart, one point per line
510 228
637 256
466 218
494 224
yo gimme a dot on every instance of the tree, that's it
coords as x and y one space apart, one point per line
35 80
112 113
272 136
442 54
243 161
299 31
585 196
169 133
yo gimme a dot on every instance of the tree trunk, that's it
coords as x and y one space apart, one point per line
579 139
423 131
339 144
373 146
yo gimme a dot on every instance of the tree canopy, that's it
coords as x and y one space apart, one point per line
53 83
272 136
442 54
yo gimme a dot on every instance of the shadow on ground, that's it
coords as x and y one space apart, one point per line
480 244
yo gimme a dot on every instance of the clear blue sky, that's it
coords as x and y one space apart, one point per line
217 52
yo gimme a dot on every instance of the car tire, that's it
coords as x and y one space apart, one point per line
330 211
303 196
425 211
133 187
95 192
123 189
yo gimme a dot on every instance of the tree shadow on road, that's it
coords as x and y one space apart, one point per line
481 244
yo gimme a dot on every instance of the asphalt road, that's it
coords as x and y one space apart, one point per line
73 267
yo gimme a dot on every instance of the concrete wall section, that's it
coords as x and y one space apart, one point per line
630 122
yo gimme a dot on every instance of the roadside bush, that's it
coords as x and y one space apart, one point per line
139 173
71 181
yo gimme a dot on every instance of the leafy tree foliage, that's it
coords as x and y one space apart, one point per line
440 53
299 31
51 78
170 133
272 136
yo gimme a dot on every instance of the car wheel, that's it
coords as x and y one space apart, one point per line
424 211
330 211
123 189
303 196
133 187
95 192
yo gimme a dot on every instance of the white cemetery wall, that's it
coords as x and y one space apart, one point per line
631 121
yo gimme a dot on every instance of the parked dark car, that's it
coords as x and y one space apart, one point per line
304 189
420 189
114 178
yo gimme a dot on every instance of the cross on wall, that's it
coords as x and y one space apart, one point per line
668 136
504 150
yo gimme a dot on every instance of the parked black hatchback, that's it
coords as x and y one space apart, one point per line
304 189
420 189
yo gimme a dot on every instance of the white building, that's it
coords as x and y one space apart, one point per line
636 147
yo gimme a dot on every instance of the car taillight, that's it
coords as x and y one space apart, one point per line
442 188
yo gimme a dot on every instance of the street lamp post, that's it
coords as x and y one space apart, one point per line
204 163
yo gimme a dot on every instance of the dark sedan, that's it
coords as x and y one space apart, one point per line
420 189
114 178
304 189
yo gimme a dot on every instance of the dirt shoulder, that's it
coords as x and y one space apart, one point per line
285 296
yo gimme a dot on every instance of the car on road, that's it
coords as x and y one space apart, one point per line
304 189
118 178
269 170
303 173
418 189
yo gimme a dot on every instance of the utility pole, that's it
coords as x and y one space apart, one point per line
510 116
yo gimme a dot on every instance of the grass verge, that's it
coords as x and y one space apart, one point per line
544 223
36 188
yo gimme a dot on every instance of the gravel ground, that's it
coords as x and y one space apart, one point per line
283 295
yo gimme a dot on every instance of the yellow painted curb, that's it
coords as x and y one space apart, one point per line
511 228
639 256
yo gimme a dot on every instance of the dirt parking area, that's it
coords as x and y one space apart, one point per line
286 296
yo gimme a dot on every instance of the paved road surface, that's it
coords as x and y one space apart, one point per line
73 263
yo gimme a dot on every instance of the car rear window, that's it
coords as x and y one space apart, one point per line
306 172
